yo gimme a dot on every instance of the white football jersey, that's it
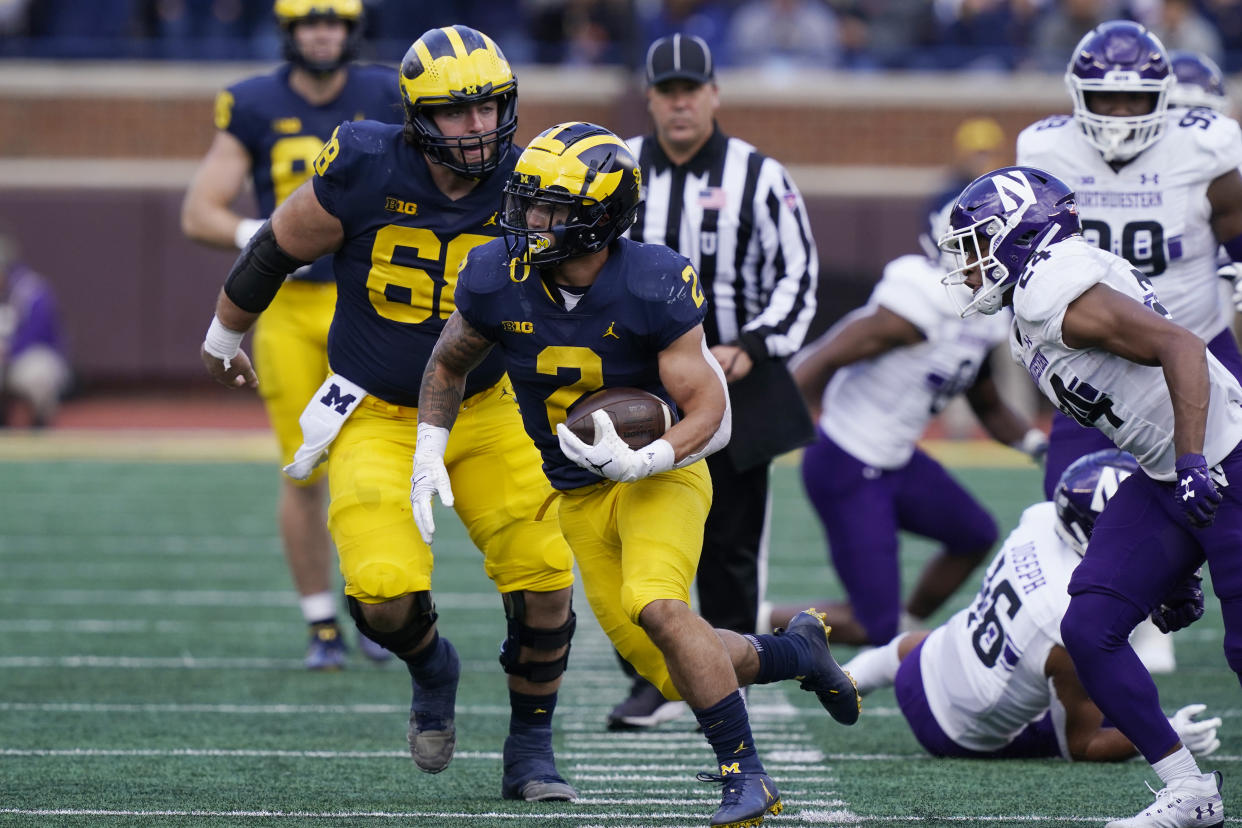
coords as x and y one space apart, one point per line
983 669
1154 210
1126 401
876 409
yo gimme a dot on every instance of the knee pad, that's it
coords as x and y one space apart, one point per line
422 618
1095 621
519 635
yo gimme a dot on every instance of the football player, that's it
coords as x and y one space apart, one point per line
1199 82
875 381
1092 333
269 130
1013 692
400 206
574 307
1157 186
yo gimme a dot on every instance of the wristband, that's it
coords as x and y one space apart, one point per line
221 342
659 456
431 438
246 228
1033 444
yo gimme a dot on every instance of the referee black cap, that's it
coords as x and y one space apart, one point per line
680 57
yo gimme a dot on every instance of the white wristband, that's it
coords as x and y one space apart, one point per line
431 438
1033 444
246 228
658 456
221 342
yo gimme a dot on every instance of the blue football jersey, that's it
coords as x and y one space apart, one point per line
283 132
645 297
396 270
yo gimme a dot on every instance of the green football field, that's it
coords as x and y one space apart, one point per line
150 674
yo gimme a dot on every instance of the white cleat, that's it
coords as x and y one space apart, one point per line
1193 802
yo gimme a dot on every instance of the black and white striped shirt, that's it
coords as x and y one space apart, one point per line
737 216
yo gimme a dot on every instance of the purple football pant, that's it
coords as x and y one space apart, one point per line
1141 548
1069 440
1036 740
862 508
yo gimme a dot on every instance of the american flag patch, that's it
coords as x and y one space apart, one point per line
791 201
712 198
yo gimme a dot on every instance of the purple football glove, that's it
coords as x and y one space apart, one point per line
1182 607
1195 492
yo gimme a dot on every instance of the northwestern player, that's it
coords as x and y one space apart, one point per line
1013 692
876 380
1158 187
269 130
573 307
400 206
1095 338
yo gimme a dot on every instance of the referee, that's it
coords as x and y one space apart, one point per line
737 216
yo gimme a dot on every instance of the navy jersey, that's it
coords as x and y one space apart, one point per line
396 269
283 132
645 297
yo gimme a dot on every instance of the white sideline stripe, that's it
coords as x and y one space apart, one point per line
840 817
208 597
236 709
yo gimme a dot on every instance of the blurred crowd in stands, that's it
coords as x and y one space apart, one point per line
774 36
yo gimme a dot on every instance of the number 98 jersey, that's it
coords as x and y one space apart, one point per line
983 669
397 267
283 132
1153 211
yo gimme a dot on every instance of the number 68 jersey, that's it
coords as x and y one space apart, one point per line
983 669
1153 211
397 267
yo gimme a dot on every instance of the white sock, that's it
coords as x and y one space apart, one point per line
318 607
875 668
1175 766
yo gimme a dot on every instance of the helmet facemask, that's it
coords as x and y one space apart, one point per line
452 151
291 15
1120 137
971 248
577 225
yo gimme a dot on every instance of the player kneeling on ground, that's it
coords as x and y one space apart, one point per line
1012 691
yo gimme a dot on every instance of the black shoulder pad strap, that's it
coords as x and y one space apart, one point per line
259 271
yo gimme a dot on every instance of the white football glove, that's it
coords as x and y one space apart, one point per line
1198 737
430 477
610 457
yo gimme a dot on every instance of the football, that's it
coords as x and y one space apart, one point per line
638 416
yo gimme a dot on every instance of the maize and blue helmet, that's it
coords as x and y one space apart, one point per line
452 66
577 169
998 223
1120 56
289 13
1083 490
1199 82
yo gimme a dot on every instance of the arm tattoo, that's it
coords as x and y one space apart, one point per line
459 349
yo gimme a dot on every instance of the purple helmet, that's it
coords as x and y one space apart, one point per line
1199 82
998 223
1120 56
1083 490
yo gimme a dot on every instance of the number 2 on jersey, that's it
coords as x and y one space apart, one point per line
557 358
413 272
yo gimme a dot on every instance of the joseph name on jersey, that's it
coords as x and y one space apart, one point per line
644 298
284 133
1126 401
397 268
876 409
983 669
1153 211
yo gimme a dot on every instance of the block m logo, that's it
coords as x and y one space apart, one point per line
335 399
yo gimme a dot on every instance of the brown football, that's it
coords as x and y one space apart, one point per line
638 416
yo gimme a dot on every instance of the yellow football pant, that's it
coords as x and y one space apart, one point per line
499 490
636 543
